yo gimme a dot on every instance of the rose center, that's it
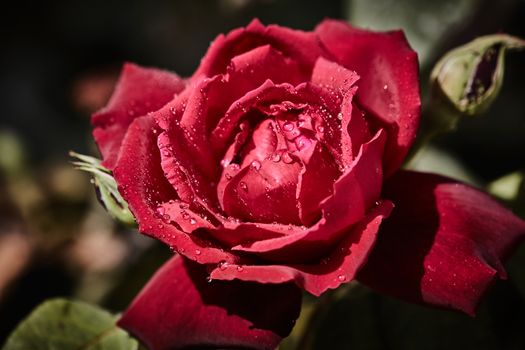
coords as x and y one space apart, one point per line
261 182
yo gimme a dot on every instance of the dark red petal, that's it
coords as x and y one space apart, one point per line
180 309
143 185
252 68
301 46
265 193
354 194
389 84
316 182
139 91
444 243
334 77
226 127
338 267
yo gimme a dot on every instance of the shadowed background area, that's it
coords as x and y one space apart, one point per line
59 63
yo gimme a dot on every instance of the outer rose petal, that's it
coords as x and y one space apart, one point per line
389 84
139 91
444 243
143 185
302 46
338 267
180 309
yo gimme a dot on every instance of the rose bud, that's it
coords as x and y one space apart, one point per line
468 79
275 168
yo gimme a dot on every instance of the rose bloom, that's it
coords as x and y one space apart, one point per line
275 168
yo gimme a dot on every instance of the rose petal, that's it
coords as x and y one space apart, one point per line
142 184
354 194
180 309
334 77
264 194
267 93
339 267
139 91
252 68
444 244
303 47
316 182
389 85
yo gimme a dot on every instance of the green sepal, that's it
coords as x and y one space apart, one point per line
106 187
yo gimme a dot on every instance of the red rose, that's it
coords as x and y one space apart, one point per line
277 163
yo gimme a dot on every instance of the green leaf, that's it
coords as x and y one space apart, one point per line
62 324
106 187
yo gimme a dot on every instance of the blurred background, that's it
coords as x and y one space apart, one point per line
59 62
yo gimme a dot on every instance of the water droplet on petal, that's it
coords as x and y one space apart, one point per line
198 252
240 268
340 116
193 221
288 126
243 185
256 165
341 278
223 265
287 158
302 142
320 128
228 177
275 157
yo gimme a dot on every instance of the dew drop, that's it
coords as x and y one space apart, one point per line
193 221
341 278
185 215
223 265
287 158
320 128
198 252
240 268
302 142
276 157
243 185
228 177
340 116
256 165
288 126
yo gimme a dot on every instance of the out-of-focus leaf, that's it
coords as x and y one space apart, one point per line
12 157
425 22
62 324
366 320
508 186
434 160
106 187
470 76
